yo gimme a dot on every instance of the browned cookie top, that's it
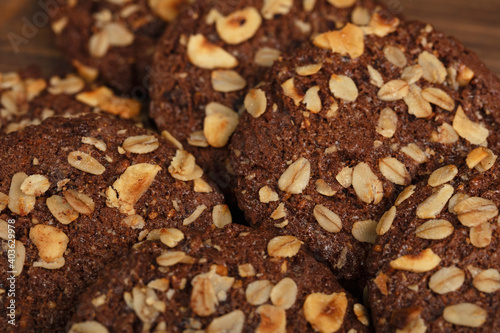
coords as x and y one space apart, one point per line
436 263
80 191
340 128
112 40
27 99
233 280
217 50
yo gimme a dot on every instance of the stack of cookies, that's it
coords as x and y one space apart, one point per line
298 166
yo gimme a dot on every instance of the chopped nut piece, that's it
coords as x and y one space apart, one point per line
266 195
393 90
279 212
414 152
231 322
474 211
434 229
56 264
473 132
344 177
488 281
312 100
238 26
283 246
327 219
35 185
99 144
446 280
476 156
296 177
170 258
387 123
386 220
417 106
395 56
394 171
51 242
255 102
221 216
258 292
349 40
438 97
105 99
361 314
61 209
206 55
184 167
323 188
424 261
161 284
224 80
80 202
129 188
405 194
480 236
246 270
219 124
284 293
307 70
99 44
412 74
134 221
375 77
465 314
417 325
465 75
446 134
18 202
343 87
291 91
366 184
197 212
380 26
270 8
324 312
84 162
59 25
273 319
433 69
442 175
89 74
88 327
166 9
266 56
431 207
365 231
141 144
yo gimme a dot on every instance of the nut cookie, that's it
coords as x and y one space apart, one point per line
77 193
342 126
27 99
233 280
112 40
217 50
437 264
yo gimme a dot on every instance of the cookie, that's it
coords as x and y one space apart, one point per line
28 99
77 193
340 128
216 51
436 264
112 41
234 280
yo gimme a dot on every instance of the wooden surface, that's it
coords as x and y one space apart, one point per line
475 22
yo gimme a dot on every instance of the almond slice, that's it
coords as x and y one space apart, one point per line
206 55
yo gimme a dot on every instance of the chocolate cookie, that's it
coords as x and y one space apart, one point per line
437 259
27 99
217 50
112 40
77 193
233 280
340 128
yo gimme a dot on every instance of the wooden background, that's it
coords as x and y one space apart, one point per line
475 22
